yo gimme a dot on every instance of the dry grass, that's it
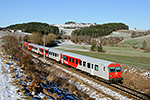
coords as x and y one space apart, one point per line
133 78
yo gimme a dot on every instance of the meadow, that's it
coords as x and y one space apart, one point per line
135 41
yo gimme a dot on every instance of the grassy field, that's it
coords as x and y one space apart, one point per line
111 50
137 41
126 51
74 46
140 62
121 33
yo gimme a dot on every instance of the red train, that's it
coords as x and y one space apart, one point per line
109 71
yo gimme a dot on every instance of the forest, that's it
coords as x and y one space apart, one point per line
100 30
35 27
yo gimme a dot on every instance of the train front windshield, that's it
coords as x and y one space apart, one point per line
114 69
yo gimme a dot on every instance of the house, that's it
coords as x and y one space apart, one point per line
18 31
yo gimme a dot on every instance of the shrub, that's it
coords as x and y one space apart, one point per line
144 45
100 48
93 47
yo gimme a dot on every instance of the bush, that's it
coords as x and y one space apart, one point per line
144 45
100 48
93 47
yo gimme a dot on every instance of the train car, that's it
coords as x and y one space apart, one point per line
34 47
41 50
55 54
26 45
107 70
30 47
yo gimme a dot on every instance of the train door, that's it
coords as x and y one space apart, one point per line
92 69
61 58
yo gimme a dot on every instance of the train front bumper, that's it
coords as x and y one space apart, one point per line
116 80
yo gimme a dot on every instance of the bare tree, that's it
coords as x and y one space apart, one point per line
100 48
50 39
36 38
11 44
144 44
148 47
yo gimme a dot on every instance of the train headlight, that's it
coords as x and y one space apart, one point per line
110 75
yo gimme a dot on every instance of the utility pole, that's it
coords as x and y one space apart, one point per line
22 41
44 48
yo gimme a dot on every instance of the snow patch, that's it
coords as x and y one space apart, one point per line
7 90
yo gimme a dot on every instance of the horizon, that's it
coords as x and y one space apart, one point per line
75 22
132 13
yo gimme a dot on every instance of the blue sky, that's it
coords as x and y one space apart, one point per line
134 13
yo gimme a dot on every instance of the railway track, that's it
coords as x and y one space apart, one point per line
123 90
130 91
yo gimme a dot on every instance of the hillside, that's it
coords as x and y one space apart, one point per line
35 27
137 42
100 30
121 33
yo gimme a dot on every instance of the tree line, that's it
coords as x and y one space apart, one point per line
100 30
35 27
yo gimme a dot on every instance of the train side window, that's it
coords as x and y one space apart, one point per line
61 56
34 48
88 65
50 53
64 57
69 59
92 66
103 68
56 55
84 63
80 62
72 60
96 67
46 51
41 50
53 54
76 61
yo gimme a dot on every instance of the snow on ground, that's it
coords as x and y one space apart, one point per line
68 31
67 42
143 73
7 90
24 33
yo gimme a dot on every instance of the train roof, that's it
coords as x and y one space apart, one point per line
45 47
56 50
35 45
89 59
